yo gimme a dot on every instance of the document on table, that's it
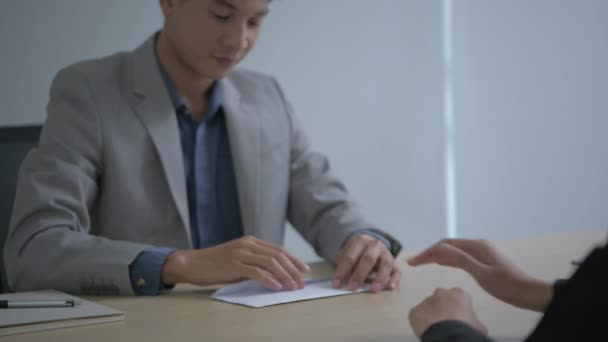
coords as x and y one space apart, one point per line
253 294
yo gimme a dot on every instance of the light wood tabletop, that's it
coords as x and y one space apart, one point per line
188 314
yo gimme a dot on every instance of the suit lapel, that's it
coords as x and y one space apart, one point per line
157 114
243 127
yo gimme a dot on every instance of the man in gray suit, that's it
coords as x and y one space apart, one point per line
164 165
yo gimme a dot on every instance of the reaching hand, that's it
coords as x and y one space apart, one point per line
492 270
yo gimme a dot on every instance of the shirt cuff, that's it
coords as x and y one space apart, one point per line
372 233
145 271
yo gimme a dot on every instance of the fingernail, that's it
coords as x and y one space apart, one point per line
393 286
307 267
278 286
353 286
336 283
376 287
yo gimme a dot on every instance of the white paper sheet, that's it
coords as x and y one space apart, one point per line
253 294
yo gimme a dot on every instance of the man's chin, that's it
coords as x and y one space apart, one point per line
219 73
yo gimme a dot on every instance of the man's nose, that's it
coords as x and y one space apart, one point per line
236 38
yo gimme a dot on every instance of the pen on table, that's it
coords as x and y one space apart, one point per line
24 304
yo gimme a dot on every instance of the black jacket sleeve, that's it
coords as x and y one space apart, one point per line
579 309
453 331
577 312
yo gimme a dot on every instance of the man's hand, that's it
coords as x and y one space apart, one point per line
443 305
236 260
362 255
492 270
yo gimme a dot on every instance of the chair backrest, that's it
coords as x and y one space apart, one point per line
15 142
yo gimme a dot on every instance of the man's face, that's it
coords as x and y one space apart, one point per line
209 37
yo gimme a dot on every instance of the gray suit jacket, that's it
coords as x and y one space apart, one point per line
107 178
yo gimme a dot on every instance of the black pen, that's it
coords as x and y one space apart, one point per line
24 304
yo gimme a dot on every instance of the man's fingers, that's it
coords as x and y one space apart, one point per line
262 277
274 267
383 274
292 269
346 261
302 267
366 264
286 263
395 278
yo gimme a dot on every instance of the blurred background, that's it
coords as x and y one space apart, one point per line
473 118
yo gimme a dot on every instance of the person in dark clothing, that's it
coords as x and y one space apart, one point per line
575 309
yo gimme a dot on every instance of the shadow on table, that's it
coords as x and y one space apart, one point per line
412 338
192 293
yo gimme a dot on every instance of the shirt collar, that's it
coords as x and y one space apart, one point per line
215 99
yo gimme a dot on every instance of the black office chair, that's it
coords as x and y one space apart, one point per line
15 142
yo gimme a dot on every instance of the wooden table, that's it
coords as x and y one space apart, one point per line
187 313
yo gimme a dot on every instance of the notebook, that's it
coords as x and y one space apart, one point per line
19 321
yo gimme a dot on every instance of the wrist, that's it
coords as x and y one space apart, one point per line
535 295
172 270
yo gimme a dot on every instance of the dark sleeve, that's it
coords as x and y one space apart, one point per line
579 308
453 331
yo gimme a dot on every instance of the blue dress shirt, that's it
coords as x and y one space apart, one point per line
211 187
210 182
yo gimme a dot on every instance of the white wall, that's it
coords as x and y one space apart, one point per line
366 78
531 84
40 37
